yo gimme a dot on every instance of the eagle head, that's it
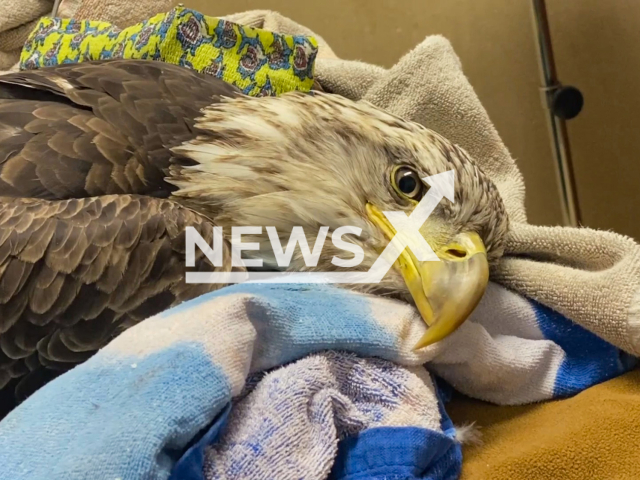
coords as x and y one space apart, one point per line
321 160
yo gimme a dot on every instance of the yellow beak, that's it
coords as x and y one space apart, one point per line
445 292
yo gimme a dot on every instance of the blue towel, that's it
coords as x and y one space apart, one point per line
239 383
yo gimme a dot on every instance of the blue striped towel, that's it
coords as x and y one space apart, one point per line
284 381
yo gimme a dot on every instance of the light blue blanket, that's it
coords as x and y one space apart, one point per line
170 397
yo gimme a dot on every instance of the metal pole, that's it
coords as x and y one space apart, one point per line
557 126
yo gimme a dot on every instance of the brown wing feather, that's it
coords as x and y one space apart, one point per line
98 128
75 273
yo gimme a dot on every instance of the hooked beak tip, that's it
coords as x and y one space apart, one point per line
446 291
453 286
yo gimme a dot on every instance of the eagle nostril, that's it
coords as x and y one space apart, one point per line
456 252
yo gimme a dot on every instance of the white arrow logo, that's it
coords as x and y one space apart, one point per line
407 236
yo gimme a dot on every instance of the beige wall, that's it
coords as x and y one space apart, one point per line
494 39
597 48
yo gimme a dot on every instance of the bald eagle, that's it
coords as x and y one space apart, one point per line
103 165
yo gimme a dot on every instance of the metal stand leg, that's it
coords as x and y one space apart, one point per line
561 103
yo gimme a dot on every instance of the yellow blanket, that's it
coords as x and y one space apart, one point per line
592 436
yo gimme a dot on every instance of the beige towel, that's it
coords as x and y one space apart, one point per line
17 19
119 12
591 277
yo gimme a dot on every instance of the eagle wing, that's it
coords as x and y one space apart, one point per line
98 128
75 273
89 243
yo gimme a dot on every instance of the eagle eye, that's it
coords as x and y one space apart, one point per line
408 184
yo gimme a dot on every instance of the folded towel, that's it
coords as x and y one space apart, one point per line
302 417
167 385
17 19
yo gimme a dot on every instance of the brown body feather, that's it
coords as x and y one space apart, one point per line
85 249
98 128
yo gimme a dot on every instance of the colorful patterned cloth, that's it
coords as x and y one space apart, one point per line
257 61
181 395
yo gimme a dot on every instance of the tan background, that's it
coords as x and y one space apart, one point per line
494 39
597 48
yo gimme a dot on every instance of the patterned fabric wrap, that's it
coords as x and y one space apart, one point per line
257 61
